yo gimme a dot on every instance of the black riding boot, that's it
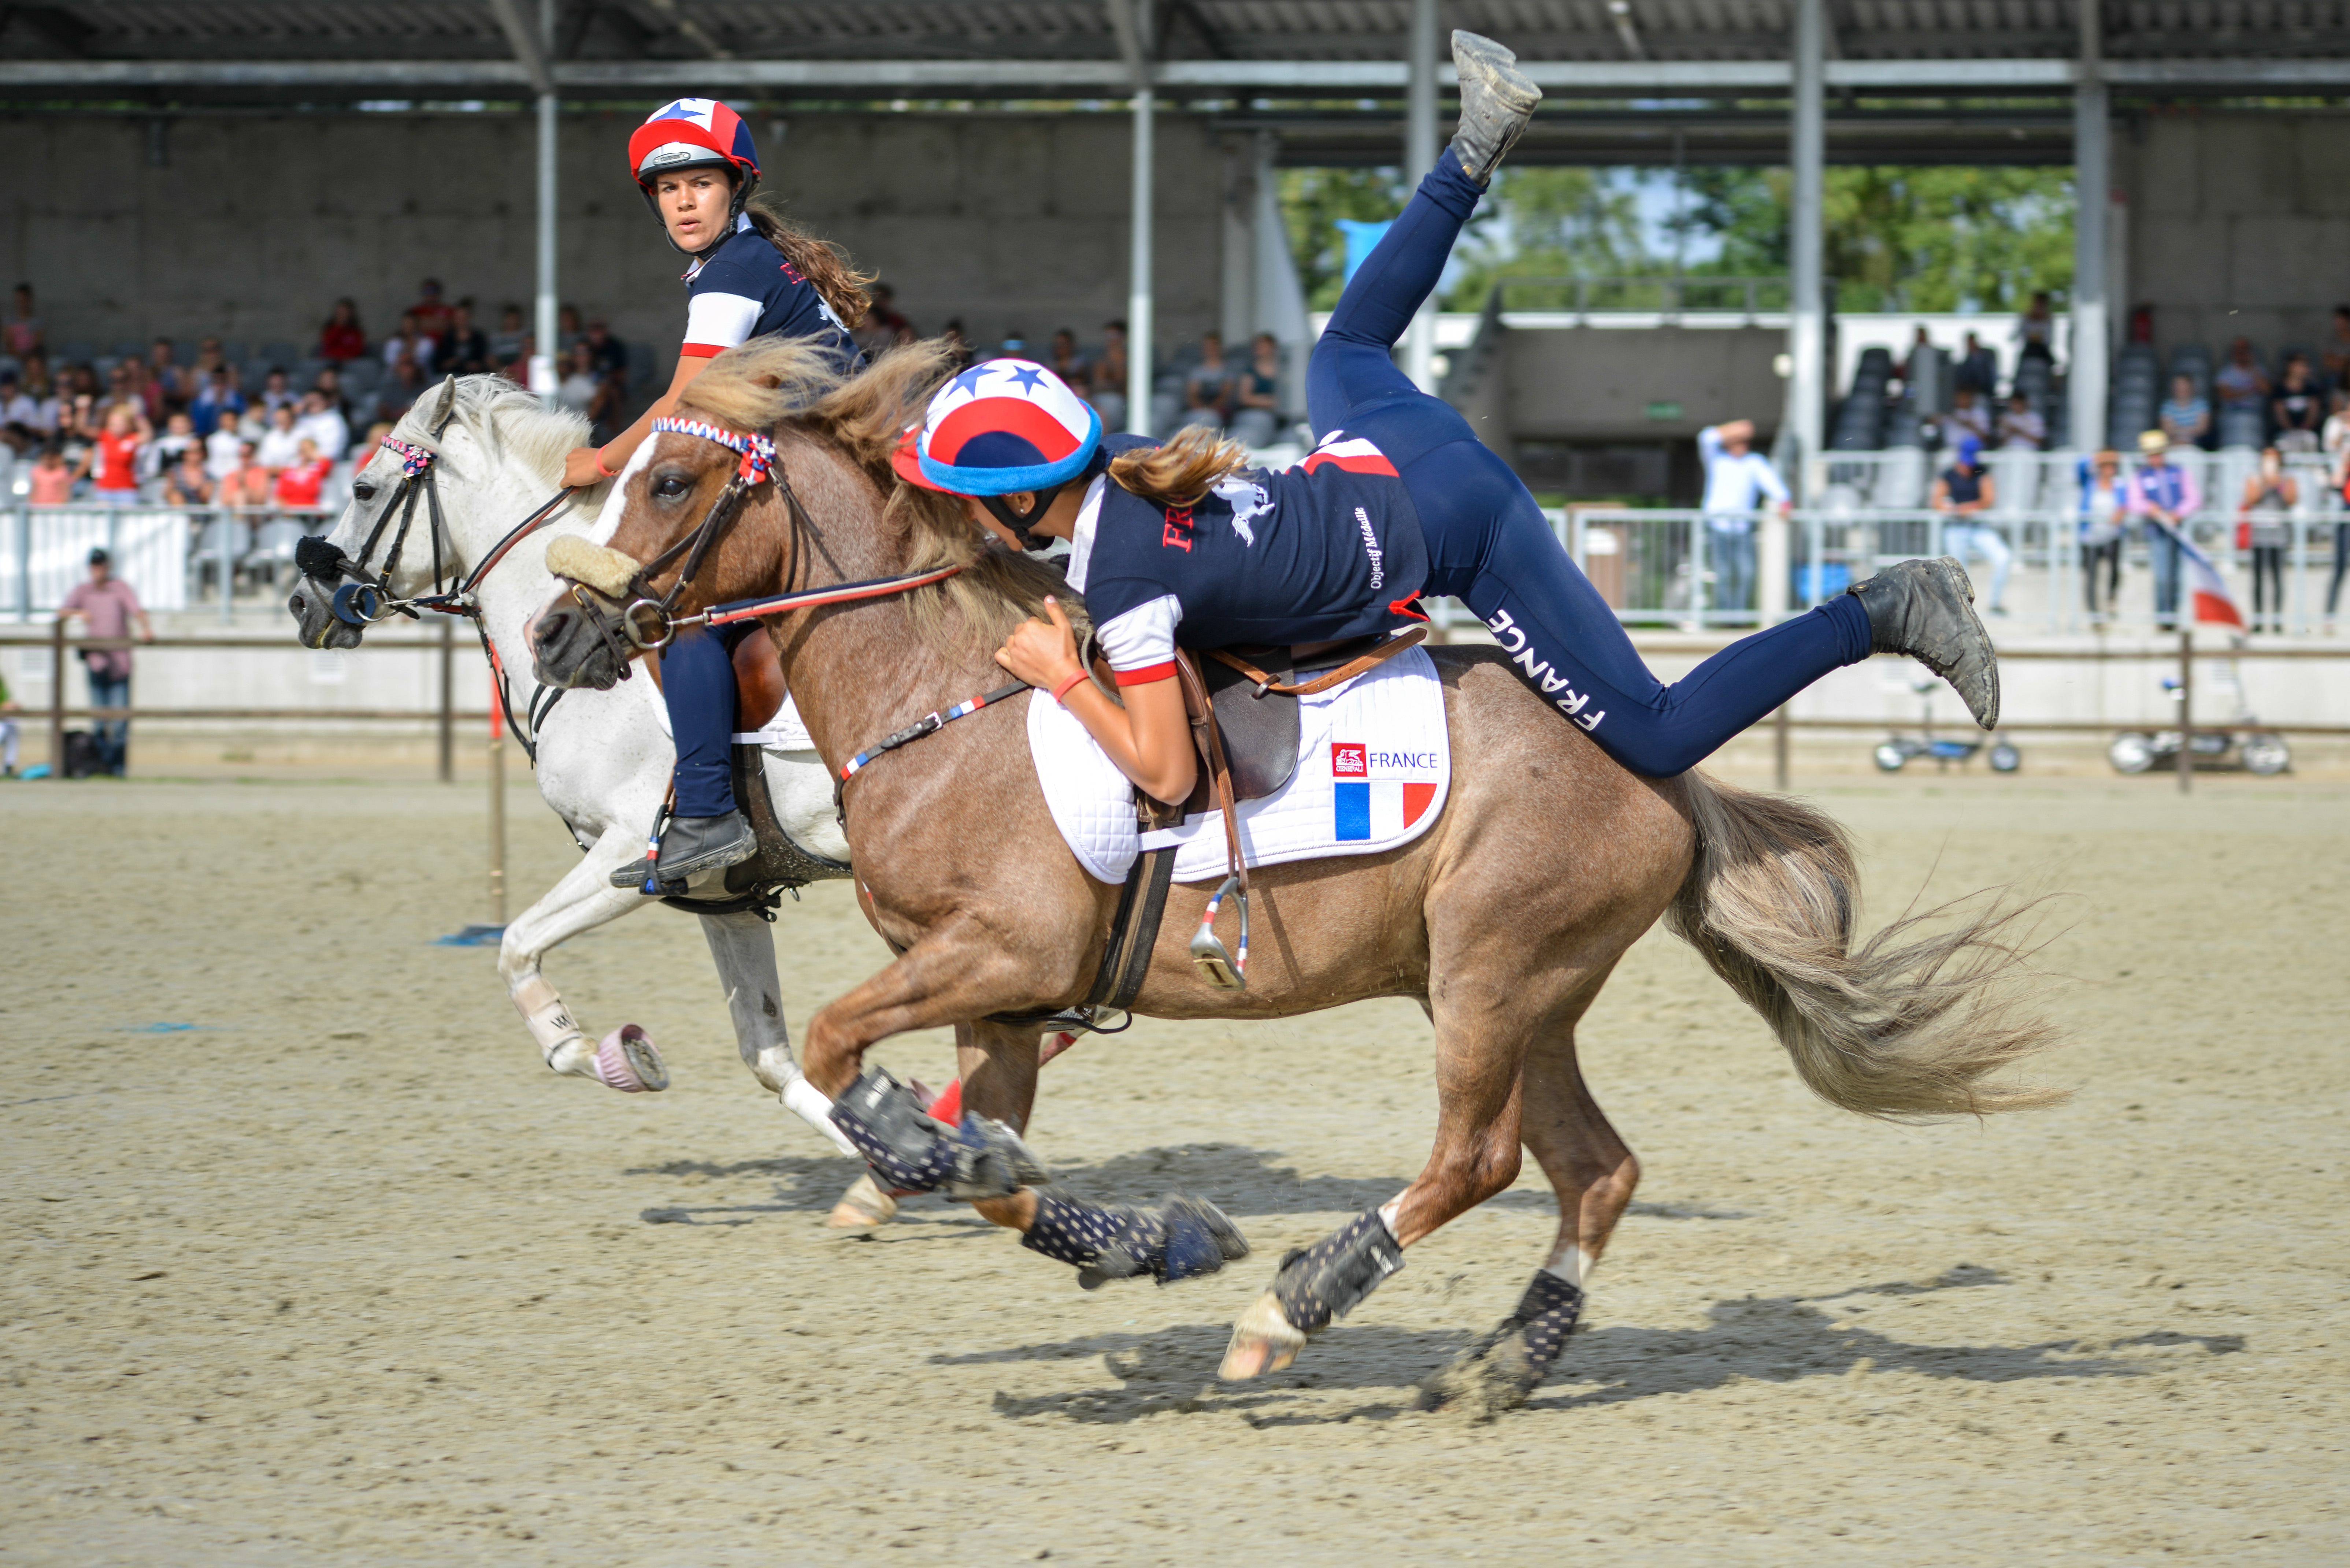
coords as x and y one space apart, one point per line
690 845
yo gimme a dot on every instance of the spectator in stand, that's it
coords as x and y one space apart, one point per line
281 443
1737 478
566 329
1110 376
185 483
2185 418
580 387
1256 394
217 403
1967 418
882 327
108 607
275 392
342 339
321 423
1067 362
303 480
2035 330
506 343
107 604
1208 385
1963 492
1906 371
2337 350
112 460
7 732
53 478
21 337
2298 410
959 350
517 368
1978 371
2163 496
251 482
431 312
2241 383
2333 439
220 447
465 348
168 384
411 341
2020 429
16 405
38 388
2264 513
178 440
2105 512
607 354
401 388
126 383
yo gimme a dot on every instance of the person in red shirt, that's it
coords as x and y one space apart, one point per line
431 315
113 459
300 483
251 483
341 339
53 478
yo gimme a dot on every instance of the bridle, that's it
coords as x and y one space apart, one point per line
370 600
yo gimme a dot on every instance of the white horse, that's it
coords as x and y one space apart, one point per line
604 757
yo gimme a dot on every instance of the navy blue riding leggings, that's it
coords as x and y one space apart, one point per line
698 684
1490 546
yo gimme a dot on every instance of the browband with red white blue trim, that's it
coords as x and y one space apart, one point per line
758 464
413 459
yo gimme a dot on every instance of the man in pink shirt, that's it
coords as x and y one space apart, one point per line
110 606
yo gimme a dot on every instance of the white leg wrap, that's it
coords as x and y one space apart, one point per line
560 1039
1573 1265
808 1102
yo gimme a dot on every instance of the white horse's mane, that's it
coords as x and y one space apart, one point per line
507 421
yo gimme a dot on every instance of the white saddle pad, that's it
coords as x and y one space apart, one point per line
1374 767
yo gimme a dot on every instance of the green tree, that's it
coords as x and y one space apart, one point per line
1922 239
1312 202
1550 223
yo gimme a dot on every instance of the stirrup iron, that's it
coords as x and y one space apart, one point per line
1218 967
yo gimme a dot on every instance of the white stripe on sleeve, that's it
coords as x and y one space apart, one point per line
720 320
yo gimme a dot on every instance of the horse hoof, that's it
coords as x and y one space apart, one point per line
862 1206
628 1061
1262 1341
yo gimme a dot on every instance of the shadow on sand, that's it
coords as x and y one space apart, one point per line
1776 1339
1240 1180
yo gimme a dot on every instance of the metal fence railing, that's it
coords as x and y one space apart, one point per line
174 557
1660 566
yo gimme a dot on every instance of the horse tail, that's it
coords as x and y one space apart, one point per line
1906 1024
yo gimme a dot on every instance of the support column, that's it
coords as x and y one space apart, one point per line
1807 320
1419 158
2090 353
1139 288
543 378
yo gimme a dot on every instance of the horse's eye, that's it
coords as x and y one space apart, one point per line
363 492
670 486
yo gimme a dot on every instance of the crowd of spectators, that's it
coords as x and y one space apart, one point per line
224 429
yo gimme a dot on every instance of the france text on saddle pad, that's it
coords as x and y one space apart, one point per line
1373 769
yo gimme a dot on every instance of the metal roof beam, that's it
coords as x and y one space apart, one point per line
522 40
1083 78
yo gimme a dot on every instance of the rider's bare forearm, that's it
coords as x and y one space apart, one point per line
1149 739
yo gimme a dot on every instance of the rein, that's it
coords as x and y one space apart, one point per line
370 600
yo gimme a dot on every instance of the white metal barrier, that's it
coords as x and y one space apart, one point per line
174 558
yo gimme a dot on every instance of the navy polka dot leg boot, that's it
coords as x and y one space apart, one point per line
1501 1371
1180 1239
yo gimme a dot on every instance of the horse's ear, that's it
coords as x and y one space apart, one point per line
441 415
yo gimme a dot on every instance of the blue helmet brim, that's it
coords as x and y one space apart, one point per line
1010 481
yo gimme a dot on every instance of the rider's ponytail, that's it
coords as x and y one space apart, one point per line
1181 471
822 263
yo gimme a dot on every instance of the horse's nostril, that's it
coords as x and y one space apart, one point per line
296 604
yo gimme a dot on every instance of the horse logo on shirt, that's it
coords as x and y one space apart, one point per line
1250 501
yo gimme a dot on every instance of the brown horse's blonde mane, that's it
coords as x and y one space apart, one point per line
772 381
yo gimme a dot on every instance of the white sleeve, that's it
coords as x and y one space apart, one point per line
717 322
1142 642
1767 478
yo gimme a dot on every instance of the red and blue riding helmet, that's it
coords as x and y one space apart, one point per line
997 429
694 133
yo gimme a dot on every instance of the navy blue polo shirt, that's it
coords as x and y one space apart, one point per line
746 289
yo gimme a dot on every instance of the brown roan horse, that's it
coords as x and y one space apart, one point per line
1502 921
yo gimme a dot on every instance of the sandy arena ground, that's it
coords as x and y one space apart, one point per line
343 1275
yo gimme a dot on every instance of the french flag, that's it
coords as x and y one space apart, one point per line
2214 604
1363 809
1354 454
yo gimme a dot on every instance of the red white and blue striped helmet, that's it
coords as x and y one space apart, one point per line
1005 426
692 132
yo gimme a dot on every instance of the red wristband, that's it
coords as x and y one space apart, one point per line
607 473
1063 688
